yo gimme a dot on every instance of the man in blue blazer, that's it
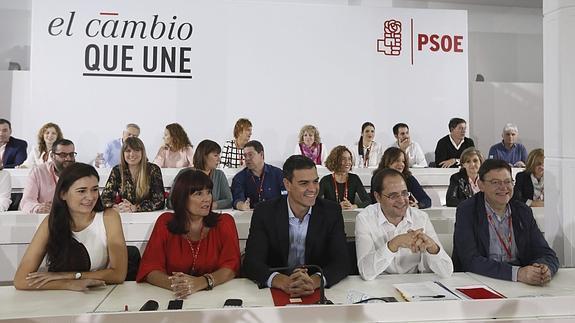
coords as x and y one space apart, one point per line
497 236
294 230
12 150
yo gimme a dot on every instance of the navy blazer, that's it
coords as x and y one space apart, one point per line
268 241
14 153
523 189
471 240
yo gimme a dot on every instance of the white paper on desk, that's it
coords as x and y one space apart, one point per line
417 292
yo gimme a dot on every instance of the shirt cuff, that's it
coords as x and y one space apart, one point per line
528 202
322 278
514 271
269 282
387 252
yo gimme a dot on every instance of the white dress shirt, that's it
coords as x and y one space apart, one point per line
375 153
373 231
415 155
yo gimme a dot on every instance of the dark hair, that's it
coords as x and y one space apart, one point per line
333 160
179 137
390 155
61 142
360 142
60 240
380 176
454 122
256 145
187 183
4 121
492 164
295 162
397 126
205 147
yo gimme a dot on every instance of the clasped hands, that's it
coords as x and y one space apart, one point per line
39 279
415 240
534 274
298 283
125 206
347 205
183 284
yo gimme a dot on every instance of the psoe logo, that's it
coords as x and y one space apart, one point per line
391 42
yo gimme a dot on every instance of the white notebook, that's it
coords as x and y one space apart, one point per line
424 291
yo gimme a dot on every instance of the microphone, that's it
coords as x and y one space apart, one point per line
150 305
322 298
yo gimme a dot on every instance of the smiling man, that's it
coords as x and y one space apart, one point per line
450 147
41 182
393 238
509 149
498 237
295 230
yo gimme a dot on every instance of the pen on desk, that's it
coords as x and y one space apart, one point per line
428 296
445 287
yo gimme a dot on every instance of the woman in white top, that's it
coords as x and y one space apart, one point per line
83 246
177 150
310 144
367 152
5 190
40 154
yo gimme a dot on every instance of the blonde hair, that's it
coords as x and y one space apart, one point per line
142 181
309 129
241 125
533 159
42 143
468 153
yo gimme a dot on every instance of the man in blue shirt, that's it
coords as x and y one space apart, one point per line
258 181
508 149
111 156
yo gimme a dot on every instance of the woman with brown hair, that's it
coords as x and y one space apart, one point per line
177 150
463 184
396 158
135 185
341 186
233 152
47 135
529 186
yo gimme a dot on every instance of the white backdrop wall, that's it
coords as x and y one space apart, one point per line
281 65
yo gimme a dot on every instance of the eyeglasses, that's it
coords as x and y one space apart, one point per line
497 182
64 155
396 196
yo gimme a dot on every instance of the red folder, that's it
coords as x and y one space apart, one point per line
479 293
281 298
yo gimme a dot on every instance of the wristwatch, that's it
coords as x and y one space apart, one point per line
78 276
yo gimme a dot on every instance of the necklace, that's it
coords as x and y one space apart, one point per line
195 251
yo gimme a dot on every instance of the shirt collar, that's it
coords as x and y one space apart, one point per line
382 219
291 215
505 147
489 209
454 144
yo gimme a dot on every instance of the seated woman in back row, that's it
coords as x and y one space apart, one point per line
341 186
396 158
177 150
83 246
135 185
463 184
529 184
310 144
193 248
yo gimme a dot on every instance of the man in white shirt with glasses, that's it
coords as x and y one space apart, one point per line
393 238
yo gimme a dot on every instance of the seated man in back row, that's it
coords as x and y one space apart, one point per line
497 236
393 238
297 230
42 179
450 147
258 181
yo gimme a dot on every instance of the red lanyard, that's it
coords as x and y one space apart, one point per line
506 246
345 192
260 189
366 156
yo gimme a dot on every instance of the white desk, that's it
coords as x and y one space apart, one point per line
16 303
64 306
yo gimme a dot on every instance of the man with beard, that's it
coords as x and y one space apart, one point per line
41 182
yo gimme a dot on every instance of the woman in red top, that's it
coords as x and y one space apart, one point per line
192 248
